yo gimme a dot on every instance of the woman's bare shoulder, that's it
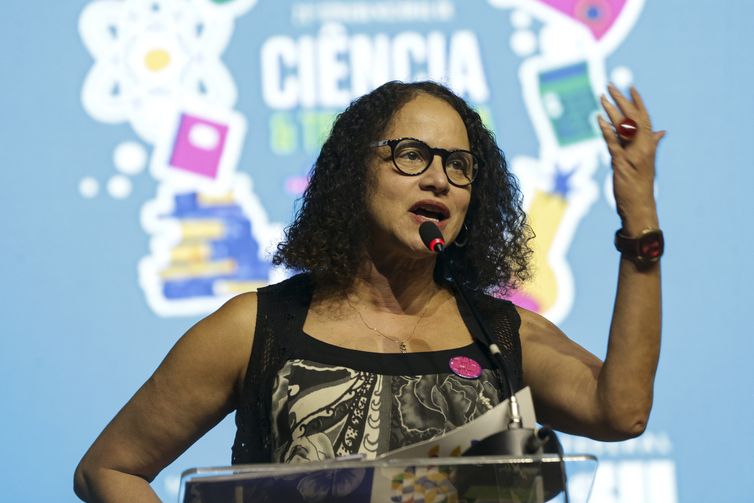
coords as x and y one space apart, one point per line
228 332
237 315
535 326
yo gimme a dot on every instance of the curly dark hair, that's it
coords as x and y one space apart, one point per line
328 236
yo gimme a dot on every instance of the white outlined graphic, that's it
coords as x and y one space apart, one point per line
205 248
150 53
158 67
201 147
560 84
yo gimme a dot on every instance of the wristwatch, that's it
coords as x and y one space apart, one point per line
643 250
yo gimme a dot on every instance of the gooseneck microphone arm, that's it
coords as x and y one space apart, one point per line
497 355
516 440
433 239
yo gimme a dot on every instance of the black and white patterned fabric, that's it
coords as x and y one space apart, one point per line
304 399
368 403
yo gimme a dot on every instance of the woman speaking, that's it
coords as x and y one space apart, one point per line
369 348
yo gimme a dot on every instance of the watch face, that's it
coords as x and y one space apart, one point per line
651 246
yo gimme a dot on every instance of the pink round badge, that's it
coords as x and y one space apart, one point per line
465 367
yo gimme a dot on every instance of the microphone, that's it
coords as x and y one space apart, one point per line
516 440
431 237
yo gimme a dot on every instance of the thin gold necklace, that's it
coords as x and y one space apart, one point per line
402 345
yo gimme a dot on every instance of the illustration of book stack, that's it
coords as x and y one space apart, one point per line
217 254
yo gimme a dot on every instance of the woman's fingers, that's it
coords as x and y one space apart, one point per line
612 112
633 108
626 107
617 118
638 102
613 146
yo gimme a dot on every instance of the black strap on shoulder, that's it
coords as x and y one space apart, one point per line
502 322
281 311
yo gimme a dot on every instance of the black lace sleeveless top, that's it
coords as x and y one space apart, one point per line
305 400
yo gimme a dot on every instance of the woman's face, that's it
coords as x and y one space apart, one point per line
398 204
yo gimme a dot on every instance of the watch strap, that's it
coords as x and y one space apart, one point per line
644 249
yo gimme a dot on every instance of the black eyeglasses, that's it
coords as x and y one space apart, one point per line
413 157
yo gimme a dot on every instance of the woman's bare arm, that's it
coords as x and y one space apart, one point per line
577 393
573 390
193 389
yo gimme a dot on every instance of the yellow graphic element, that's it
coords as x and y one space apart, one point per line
545 216
224 199
157 59
203 229
191 252
430 485
199 269
235 287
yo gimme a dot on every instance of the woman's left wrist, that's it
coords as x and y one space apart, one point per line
635 223
635 228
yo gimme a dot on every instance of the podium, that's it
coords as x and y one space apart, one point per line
482 479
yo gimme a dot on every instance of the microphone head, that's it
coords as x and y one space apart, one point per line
432 237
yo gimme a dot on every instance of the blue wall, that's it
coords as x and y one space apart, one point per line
88 313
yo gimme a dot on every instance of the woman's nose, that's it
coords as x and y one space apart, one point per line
434 177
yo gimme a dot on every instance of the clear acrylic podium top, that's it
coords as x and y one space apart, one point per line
509 479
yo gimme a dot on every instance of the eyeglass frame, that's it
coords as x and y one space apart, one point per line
443 153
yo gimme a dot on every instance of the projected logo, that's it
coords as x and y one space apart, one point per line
560 83
205 247
200 146
607 21
208 227
157 67
147 54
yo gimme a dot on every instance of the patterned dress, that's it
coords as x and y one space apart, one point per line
305 400
330 401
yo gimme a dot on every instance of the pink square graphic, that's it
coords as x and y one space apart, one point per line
199 145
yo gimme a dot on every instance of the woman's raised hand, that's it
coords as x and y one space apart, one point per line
632 159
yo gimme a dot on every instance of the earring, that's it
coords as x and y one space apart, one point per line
463 237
